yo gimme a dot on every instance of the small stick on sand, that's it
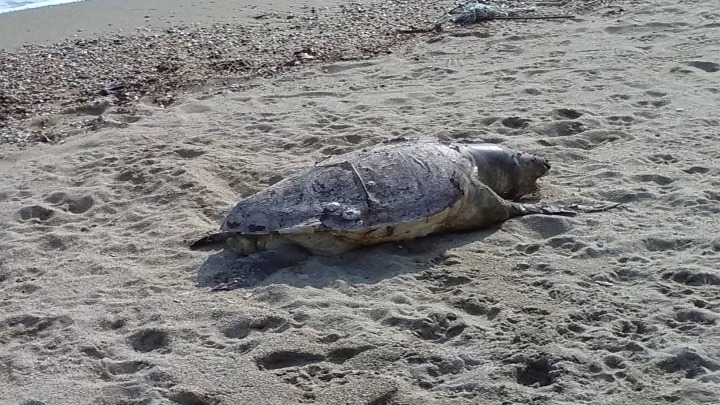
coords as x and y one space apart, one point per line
413 30
535 17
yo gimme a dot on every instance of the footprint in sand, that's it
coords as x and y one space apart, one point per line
694 277
74 204
559 128
515 122
123 367
534 370
437 327
148 340
186 396
243 326
36 212
567 114
687 362
709 67
623 120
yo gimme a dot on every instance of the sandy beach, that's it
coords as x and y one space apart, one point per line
115 162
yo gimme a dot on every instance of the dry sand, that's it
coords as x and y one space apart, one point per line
102 302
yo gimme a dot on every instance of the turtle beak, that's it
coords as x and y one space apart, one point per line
544 166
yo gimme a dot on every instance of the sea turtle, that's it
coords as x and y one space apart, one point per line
388 193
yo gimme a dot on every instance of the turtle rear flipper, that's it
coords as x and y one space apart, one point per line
211 240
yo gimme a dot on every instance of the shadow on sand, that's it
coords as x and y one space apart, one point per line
226 270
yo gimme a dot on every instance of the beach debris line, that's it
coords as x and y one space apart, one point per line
475 11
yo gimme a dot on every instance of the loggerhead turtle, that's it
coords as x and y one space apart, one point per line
389 193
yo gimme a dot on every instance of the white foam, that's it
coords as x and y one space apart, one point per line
7 6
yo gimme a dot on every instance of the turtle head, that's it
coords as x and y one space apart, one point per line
508 172
531 168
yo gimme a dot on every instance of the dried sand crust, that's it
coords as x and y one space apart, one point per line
102 303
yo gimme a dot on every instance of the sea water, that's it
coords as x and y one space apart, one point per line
15 5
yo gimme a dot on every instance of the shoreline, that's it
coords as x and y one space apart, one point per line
34 5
